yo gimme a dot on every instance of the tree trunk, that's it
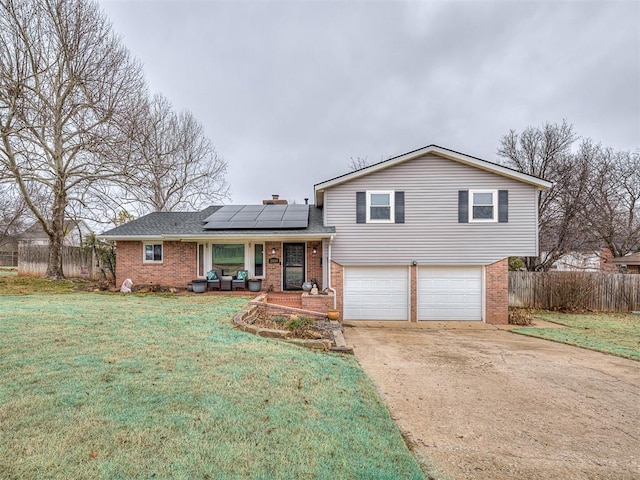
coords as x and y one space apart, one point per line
56 238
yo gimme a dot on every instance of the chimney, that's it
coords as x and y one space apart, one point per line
275 200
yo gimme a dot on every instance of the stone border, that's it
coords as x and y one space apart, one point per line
244 321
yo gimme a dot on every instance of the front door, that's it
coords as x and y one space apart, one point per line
293 266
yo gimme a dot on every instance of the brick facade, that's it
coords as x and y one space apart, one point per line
178 266
273 272
314 262
337 283
497 292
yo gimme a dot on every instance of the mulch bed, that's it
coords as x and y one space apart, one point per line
300 327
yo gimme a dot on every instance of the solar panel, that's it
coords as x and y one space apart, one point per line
230 217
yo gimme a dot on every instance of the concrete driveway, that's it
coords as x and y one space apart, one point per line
485 403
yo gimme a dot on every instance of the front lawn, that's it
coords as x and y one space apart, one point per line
614 333
128 386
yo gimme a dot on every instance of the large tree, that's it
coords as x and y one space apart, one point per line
172 165
612 209
66 85
545 152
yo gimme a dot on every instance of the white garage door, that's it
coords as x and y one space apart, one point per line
450 293
376 293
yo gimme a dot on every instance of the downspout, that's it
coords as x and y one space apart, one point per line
335 294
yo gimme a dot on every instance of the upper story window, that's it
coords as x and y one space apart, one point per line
483 205
380 207
153 252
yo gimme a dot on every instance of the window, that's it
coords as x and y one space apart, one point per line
201 249
380 207
228 257
153 252
483 205
258 260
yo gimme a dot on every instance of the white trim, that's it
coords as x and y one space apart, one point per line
392 202
144 252
252 260
541 184
494 205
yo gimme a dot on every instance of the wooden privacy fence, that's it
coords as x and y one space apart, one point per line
605 292
76 262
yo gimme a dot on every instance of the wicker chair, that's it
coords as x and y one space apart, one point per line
240 283
211 284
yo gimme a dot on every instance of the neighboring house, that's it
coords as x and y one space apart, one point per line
75 232
590 261
630 263
422 236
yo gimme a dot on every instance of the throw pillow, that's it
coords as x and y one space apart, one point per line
242 275
211 275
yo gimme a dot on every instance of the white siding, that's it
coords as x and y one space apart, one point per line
431 234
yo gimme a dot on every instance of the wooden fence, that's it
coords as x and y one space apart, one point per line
605 292
8 259
76 262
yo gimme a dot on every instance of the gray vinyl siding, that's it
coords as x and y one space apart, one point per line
431 234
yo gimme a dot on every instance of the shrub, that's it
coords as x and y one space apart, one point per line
520 316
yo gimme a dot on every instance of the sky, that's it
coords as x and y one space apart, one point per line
290 91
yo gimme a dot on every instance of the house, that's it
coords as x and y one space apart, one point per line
630 263
585 261
422 236
75 232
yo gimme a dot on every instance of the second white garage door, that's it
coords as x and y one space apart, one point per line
450 293
376 293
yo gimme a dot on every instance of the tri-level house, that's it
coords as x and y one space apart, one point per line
422 236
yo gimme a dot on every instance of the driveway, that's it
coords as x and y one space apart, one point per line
485 403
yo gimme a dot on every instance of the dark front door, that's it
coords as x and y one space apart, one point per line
293 264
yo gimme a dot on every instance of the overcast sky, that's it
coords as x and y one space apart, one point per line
290 91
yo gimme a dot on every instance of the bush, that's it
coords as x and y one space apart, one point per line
520 316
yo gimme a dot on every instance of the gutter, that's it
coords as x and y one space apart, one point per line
329 287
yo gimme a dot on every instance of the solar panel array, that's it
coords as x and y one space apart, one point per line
241 217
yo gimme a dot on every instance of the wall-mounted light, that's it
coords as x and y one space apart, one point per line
273 251
314 250
414 262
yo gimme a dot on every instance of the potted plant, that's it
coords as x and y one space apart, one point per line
199 286
254 284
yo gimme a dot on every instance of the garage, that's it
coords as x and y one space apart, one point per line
450 293
376 293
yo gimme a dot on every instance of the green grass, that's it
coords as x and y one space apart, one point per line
8 271
614 333
118 386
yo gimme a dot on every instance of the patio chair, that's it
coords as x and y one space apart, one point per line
214 282
240 280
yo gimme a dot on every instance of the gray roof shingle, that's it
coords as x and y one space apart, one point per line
192 223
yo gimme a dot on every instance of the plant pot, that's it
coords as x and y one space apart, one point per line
333 314
307 286
254 285
199 286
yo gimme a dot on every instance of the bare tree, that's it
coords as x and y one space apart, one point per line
65 83
172 164
546 153
613 206
12 213
358 163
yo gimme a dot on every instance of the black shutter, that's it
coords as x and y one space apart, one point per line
503 206
361 207
463 206
399 207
